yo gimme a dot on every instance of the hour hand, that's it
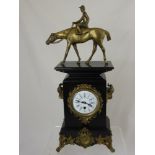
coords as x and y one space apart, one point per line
84 102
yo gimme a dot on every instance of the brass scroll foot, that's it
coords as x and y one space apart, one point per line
63 140
62 143
58 149
109 146
106 141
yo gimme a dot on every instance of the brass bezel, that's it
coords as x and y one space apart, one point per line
85 118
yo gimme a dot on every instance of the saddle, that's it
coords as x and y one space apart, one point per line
83 31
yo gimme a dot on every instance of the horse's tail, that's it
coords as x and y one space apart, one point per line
108 35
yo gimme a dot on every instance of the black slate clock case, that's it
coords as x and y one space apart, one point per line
69 83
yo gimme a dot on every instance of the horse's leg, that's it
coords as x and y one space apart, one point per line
93 52
103 50
66 53
77 52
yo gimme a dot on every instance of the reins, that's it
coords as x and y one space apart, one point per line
61 39
57 41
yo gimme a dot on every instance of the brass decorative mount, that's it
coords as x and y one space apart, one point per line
85 139
60 90
110 91
85 119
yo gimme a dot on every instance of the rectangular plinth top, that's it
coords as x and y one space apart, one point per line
96 67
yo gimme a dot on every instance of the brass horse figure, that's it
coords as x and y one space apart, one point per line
70 34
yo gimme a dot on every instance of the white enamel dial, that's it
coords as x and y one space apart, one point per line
85 102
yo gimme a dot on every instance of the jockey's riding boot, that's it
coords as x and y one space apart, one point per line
79 31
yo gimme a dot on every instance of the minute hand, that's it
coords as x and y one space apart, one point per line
86 103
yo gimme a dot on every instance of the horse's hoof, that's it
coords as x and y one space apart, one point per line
106 62
62 63
78 62
87 62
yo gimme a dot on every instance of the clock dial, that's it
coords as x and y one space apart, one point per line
84 102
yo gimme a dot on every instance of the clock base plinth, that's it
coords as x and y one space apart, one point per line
86 137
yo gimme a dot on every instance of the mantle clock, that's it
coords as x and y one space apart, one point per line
84 90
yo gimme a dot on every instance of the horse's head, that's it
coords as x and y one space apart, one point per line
51 39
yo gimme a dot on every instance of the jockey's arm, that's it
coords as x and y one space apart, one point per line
78 21
86 15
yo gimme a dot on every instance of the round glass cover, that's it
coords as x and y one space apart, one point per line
84 102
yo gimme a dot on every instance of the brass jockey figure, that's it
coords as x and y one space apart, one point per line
81 33
83 21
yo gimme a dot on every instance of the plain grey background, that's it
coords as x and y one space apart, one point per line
40 108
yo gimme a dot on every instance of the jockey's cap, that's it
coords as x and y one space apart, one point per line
82 7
